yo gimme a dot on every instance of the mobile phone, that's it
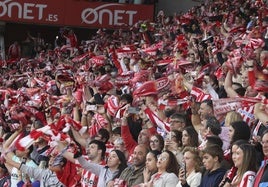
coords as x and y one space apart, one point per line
91 107
184 169
133 110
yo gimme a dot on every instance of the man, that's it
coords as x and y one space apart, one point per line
177 122
206 109
261 179
210 127
104 136
17 155
133 175
143 138
95 154
205 112
39 155
47 177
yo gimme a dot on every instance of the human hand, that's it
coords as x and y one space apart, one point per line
146 174
182 176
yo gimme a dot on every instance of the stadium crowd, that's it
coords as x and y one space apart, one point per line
178 102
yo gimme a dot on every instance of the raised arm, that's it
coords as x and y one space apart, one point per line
228 85
259 112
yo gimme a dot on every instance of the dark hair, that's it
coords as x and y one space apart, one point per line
239 142
123 162
30 150
264 132
178 136
249 159
178 116
241 131
155 153
104 134
213 124
214 151
116 130
101 146
240 91
172 166
214 140
193 136
3 167
208 102
127 97
182 117
160 139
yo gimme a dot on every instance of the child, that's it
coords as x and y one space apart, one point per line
212 157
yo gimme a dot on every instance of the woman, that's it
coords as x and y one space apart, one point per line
191 174
173 143
150 165
116 163
235 130
156 142
168 169
244 158
232 116
189 137
235 134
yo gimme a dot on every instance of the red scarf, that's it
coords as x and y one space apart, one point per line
260 172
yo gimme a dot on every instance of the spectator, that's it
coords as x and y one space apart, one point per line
212 158
190 174
235 130
47 177
173 143
4 176
14 51
157 142
206 109
232 116
261 177
150 165
133 175
39 151
168 169
244 158
95 154
189 137
116 163
177 122
210 45
17 156
120 145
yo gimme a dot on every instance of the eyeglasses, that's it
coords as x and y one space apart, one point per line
154 141
162 158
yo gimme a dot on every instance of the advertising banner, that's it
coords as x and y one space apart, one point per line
75 13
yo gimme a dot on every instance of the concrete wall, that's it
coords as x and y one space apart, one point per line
172 6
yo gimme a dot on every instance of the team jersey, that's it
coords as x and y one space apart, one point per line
89 179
